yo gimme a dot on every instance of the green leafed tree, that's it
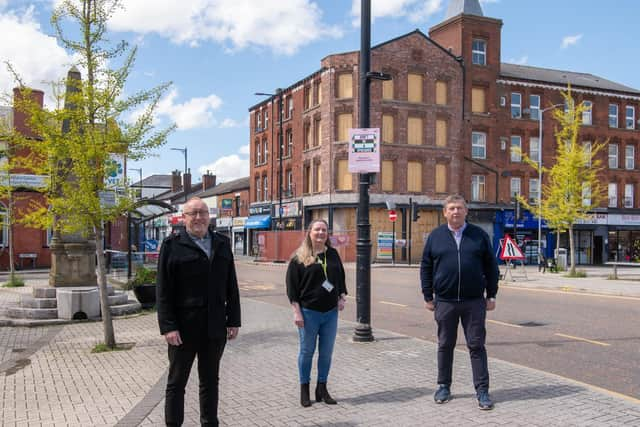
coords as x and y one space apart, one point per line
572 187
90 123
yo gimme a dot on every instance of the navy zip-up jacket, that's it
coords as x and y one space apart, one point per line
458 274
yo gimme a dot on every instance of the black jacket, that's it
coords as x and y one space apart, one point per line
304 284
458 274
196 295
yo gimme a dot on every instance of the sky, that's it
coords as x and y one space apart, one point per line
219 53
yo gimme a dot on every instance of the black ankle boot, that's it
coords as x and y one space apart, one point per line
322 394
305 400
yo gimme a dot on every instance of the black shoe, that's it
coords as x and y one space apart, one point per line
484 401
322 394
443 394
305 400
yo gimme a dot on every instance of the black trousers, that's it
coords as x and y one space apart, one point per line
472 314
181 358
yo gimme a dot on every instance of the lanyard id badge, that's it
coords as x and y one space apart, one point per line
326 284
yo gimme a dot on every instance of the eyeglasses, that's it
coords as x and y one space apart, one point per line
196 213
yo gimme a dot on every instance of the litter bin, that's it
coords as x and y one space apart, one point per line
561 256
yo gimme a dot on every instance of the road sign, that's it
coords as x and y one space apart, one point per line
393 215
510 250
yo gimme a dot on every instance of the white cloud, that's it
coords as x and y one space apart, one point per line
283 26
194 113
414 10
570 40
34 55
245 150
230 123
227 168
519 61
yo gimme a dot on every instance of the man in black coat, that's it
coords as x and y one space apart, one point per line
198 306
459 267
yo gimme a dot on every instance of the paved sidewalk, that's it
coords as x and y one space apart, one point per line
49 377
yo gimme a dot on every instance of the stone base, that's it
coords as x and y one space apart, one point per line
78 303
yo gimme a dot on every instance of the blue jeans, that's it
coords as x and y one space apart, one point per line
321 327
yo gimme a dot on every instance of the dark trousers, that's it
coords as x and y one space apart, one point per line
472 314
181 358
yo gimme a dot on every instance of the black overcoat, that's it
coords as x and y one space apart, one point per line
196 295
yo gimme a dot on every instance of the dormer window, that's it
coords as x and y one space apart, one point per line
479 52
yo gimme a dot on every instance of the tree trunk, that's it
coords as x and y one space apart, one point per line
572 272
12 269
109 335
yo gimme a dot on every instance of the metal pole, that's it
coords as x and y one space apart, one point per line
409 236
540 257
393 245
363 260
280 173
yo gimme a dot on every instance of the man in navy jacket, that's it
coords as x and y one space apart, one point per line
459 267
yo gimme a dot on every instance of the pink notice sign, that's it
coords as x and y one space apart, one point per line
364 150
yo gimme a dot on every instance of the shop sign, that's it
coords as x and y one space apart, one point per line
224 222
624 219
596 218
227 204
289 209
239 221
260 210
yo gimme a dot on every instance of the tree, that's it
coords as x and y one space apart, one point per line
572 188
78 140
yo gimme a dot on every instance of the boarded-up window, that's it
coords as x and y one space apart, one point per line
387 175
319 92
307 179
478 101
415 87
414 131
387 128
317 181
344 124
441 133
441 93
307 136
414 177
307 98
387 89
318 129
344 177
345 85
441 178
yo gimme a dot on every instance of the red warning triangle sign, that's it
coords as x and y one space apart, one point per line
510 250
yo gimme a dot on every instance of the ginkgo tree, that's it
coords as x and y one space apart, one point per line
78 137
572 188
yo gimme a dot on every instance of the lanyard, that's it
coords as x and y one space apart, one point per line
324 265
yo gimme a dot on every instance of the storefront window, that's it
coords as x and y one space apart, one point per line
624 246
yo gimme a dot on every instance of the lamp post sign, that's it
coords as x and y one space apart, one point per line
364 150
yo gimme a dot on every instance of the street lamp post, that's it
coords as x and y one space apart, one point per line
280 156
184 151
139 170
540 257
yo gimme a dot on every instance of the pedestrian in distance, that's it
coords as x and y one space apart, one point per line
459 267
316 289
198 305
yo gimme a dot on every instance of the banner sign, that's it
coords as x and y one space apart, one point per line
364 150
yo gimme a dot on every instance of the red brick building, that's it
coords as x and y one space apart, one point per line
449 119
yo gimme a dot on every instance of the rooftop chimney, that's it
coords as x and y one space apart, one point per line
186 180
208 181
176 181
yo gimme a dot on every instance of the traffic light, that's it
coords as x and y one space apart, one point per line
414 210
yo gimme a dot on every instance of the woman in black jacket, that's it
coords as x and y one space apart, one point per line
316 289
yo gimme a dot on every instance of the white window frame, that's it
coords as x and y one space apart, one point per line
289 143
265 157
516 155
534 149
587 113
630 119
290 105
290 182
613 115
479 142
628 195
516 107
515 187
629 157
259 120
586 194
258 185
534 190
477 182
613 156
534 107
479 52
266 119
265 185
587 152
258 153
613 194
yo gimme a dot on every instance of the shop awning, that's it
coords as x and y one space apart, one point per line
258 221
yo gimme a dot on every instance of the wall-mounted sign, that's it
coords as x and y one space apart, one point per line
260 210
227 204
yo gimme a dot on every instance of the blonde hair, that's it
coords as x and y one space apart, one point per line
304 253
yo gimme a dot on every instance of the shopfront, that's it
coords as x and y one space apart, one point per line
623 238
223 225
290 218
259 219
239 237
525 233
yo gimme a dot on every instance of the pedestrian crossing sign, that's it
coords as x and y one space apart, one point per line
510 250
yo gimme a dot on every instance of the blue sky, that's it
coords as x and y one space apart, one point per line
218 53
